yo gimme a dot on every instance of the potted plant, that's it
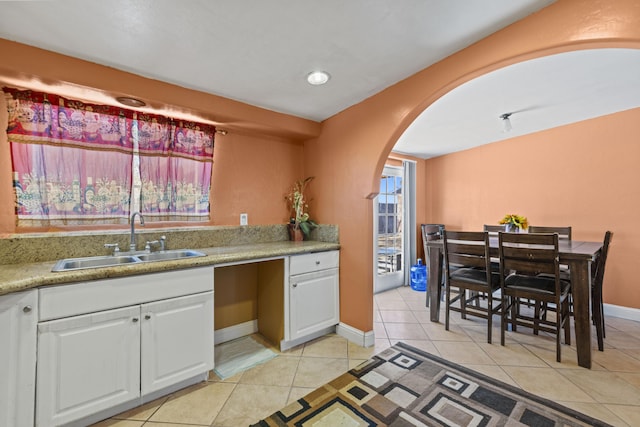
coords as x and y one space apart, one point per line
300 225
514 223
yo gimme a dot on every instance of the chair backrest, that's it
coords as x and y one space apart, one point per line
598 275
432 231
564 233
528 253
467 248
493 229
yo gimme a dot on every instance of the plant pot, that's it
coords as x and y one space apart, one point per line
510 228
295 234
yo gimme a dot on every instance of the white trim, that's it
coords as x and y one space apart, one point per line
409 220
356 336
622 312
235 331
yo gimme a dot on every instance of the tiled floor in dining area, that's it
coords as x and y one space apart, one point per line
610 391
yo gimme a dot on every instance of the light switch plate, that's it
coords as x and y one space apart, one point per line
244 219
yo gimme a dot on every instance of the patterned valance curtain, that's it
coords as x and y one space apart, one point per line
76 163
175 168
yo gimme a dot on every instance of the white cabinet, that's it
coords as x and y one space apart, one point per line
313 293
87 364
96 362
176 341
18 322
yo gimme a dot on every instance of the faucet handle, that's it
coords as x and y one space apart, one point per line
163 242
116 248
147 246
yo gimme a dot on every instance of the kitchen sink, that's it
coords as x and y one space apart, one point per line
93 262
70 264
169 255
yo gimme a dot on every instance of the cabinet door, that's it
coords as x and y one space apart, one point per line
314 303
86 364
18 331
177 340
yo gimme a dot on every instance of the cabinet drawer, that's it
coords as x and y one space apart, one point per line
308 263
80 298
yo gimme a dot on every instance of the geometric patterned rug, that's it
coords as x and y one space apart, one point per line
404 386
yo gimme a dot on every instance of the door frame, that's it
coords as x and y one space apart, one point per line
408 255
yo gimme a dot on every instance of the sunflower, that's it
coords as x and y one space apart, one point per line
515 220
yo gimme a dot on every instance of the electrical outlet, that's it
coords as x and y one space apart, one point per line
244 219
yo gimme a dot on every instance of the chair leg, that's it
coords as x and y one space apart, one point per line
598 317
503 318
447 300
489 316
559 324
566 319
515 308
604 335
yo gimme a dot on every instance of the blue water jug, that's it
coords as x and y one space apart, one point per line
419 277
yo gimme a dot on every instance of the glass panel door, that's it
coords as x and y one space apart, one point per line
388 231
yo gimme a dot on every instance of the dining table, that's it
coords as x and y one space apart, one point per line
578 255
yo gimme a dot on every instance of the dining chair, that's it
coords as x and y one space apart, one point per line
563 232
597 304
523 257
468 252
431 232
493 230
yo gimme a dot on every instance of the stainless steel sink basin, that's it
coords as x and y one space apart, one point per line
112 261
170 255
93 262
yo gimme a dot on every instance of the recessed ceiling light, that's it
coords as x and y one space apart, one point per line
130 102
317 78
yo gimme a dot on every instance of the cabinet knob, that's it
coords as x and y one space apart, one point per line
317 262
295 285
27 309
147 316
135 319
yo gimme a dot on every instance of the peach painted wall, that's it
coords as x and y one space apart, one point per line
580 175
252 174
255 163
350 153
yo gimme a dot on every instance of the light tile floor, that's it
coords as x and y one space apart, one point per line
609 391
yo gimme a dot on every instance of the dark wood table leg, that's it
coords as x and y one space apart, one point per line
434 285
581 290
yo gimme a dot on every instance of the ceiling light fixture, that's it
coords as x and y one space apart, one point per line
130 102
317 78
506 122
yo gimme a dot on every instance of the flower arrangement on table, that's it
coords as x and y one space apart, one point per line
515 222
299 217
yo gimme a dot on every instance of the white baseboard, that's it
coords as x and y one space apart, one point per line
356 336
622 312
235 331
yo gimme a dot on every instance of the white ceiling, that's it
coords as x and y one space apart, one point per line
542 93
260 52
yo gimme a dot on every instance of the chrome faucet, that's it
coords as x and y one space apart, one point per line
132 246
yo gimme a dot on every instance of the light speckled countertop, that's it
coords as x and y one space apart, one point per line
18 277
